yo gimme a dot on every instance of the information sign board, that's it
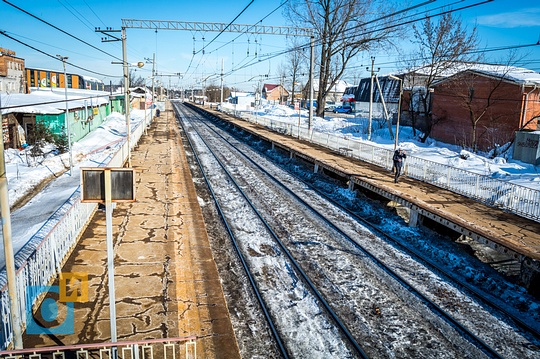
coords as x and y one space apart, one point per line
93 184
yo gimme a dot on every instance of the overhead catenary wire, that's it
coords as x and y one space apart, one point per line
246 63
93 12
77 14
62 31
228 42
52 56
318 41
226 27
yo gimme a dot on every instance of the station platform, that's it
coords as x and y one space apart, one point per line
505 232
166 281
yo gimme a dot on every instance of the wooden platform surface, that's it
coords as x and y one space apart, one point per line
509 230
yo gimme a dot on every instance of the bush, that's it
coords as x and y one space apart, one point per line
43 137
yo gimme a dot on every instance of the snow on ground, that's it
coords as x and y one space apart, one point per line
356 126
25 174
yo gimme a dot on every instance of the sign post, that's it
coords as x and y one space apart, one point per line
108 185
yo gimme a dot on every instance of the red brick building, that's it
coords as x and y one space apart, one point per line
481 108
275 93
11 72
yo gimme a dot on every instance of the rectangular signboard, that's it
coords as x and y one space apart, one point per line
93 184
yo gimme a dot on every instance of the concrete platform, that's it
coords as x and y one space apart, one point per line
166 280
505 232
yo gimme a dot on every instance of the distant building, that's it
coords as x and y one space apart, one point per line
485 105
334 94
275 94
243 100
358 97
86 112
11 72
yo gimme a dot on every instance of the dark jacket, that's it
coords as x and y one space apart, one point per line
399 157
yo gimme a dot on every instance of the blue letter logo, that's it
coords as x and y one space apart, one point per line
51 310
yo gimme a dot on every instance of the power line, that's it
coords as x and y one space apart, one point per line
303 46
232 41
62 31
226 27
79 17
245 32
52 56
93 12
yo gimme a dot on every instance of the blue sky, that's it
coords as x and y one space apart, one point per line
500 23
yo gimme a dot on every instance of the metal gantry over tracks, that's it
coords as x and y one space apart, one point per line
238 28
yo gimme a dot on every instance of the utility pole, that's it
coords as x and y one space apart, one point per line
153 89
68 125
221 86
8 247
370 120
311 67
125 66
153 86
127 102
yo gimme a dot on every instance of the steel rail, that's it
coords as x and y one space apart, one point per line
474 292
305 277
474 339
260 299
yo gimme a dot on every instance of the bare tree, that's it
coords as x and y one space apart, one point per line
135 80
479 105
487 97
341 32
441 47
213 93
294 68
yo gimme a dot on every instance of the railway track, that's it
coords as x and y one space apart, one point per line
383 300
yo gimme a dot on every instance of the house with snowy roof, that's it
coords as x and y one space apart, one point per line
87 109
385 90
275 93
483 106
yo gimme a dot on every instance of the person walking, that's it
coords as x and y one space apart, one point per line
399 156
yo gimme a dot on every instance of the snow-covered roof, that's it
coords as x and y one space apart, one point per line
515 74
519 75
270 87
51 100
339 87
242 94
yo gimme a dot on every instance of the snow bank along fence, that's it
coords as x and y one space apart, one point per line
42 257
148 349
514 198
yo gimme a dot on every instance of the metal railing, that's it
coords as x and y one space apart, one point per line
511 197
40 260
168 348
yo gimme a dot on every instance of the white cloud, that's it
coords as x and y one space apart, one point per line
520 18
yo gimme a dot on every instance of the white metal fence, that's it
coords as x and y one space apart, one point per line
56 238
514 198
169 348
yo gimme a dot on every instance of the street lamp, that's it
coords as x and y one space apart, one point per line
126 97
399 108
68 126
